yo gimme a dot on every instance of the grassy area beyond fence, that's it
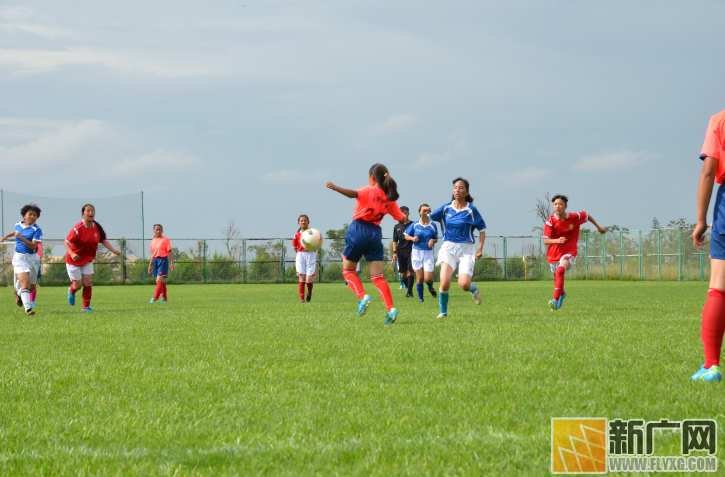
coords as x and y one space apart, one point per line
658 254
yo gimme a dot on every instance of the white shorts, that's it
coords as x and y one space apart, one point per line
27 263
458 253
76 273
305 263
423 259
554 266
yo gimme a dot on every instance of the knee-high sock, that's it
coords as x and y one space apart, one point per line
87 292
443 301
159 289
384 289
419 287
410 283
302 291
713 326
164 292
309 287
559 282
74 290
430 285
400 279
473 288
354 283
32 295
25 296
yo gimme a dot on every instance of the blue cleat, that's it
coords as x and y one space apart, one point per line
362 307
554 305
163 300
391 316
32 304
152 301
71 298
87 309
707 374
561 300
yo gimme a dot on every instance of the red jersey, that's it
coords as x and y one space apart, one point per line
371 206
297 243
568 228
714 145
84 242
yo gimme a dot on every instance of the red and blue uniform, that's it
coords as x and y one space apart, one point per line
364 235
714 146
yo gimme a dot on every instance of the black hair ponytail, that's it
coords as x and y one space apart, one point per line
386 183
100 229
465 182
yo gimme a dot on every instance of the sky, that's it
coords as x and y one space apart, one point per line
222 110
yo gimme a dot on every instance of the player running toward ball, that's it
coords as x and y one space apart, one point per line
162 260
365 237
459 218
713 314
305 262
81 246
561 234
26 261
423 234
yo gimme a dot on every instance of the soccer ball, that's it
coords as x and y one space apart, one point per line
311 239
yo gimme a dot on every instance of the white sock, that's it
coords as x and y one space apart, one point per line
25 296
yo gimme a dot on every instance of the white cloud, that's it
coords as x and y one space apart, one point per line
431 159
159 161
290 176
612 161
392 125
528 176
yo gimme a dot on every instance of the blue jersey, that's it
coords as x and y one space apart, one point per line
458 224
31 233
424 234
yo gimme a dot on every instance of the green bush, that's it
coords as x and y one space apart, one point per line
332 273
487 268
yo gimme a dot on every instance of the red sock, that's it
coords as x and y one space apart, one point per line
302 291
32 295
354 283
559 282
73 291
384 289
164 292
87 292
713 326
309 287
159 289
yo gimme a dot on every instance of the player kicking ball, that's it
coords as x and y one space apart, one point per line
26 261
561 234
161 262
713 314
365 237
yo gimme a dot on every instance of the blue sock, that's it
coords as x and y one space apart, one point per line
419 286
443 301
473 288
430 286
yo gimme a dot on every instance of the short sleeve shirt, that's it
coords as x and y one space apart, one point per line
424 233
568 228
31 233
714 145
371 206
84 242
160 247
399 236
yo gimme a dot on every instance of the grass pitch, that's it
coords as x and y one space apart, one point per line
240 380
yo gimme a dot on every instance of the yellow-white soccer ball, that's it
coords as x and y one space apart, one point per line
311 239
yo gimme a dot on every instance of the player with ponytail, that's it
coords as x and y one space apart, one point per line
365 237
81 246
305 261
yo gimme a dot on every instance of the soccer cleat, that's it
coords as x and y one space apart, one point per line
362 307
164 300
29 312
391 316
408 295
554 305
401 287
707 374
561 300
18 300
420 300
32 304
477 297
433 292
87 309
442 315
152 300
308 297
71 298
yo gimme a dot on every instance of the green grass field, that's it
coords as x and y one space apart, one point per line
240 380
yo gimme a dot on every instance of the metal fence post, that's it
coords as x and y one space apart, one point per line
604 256
281 244
244 261
123 261
505 274
621 255
640 254
679 240
586 252
204 259
659 253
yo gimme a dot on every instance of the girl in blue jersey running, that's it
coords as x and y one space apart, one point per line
458 219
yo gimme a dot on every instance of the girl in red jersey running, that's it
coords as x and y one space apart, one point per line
305 261
365 237
561 234
81 246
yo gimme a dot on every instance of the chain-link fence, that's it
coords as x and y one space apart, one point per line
659 254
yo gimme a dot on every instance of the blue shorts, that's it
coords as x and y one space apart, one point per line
717 239
160 266
364 238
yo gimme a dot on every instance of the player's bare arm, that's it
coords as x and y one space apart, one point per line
409 238
599 227
346 192
704 192
171 261
28 243
73 256
481 240
2 239
550 241
108 245
431 242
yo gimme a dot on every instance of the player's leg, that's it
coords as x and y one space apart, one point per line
24 281
378 279
419 276
567 263
428 269
301 286
301 276
87 290
446 277
76 278
465 274
713 319
310 272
